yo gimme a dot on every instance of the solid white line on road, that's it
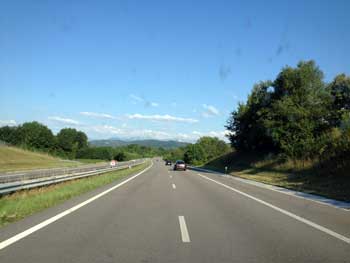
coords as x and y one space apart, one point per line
35 228
285 212
174 186
310 197
183 228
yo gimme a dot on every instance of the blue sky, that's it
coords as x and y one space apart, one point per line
156 69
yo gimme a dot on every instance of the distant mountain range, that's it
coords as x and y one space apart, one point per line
150 143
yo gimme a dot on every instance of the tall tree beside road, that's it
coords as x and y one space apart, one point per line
35 135
299 110
70 141
10 135
297 115
212 147
340 94
82 139
206 148
195 154
247 123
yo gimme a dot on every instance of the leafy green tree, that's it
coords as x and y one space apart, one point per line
339 89
101 153
71 141
194 154
82 139
205 149
35 135
246 124
299 110
212 147
11 135
120 156
175 154
287 115
335 154
66 139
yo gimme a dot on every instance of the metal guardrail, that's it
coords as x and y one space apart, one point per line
9 187
40 173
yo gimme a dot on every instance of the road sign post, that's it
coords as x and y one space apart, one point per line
113 163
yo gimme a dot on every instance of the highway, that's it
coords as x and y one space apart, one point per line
162 215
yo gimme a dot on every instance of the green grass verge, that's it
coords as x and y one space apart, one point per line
15 159
295 176
90 161
21 204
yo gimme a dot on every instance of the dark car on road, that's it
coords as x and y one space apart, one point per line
168 162
180 165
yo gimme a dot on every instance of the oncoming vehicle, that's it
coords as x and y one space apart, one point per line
180 165
168 162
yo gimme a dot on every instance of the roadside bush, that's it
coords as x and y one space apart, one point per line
335 156
120 156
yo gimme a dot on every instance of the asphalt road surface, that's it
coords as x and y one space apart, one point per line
181 216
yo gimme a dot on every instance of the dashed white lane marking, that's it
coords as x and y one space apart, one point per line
183 228
35 228
174 186
285 212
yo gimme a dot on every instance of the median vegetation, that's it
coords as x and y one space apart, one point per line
21 204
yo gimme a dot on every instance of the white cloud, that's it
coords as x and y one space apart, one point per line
136 98
166 117
124 132
8 122
222 135
160 135
210 111
219 134
97 115
64 120
107 130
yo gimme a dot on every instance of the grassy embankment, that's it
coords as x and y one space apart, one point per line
292 175
23 203
16 159
90 161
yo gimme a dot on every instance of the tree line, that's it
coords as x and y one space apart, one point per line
120 153
70 143
205 149
297 116
36 136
